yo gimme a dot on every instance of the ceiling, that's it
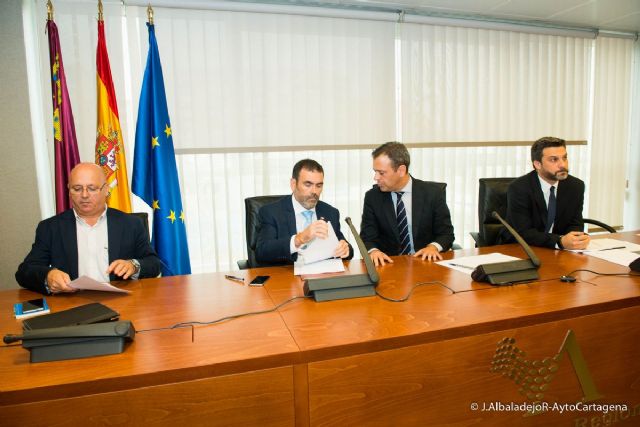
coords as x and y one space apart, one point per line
610 15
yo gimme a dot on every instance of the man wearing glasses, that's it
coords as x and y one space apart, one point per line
88 240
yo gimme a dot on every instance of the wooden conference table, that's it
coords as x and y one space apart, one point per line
366 361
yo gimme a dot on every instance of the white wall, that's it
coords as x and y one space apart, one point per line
19 205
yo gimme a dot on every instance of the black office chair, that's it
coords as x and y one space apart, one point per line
443 187
492 196
252 207
145 220
600 224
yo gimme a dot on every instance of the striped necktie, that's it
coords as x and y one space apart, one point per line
403 225
551 209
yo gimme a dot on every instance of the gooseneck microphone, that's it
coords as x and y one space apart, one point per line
532 256
504 273
368 262
345 286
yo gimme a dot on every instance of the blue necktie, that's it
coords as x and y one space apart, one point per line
403 225
551 210
308 217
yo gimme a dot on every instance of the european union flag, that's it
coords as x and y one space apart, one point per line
155 176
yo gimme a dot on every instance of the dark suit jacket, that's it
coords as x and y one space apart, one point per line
527 210
277 223
56 246
430 219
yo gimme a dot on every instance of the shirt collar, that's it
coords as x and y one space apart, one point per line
407 188
546 187
298 208
102 217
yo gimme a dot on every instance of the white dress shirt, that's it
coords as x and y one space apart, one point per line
93 248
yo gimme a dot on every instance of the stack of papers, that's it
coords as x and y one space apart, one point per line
612 250
317 256
607 245
87 283
467 264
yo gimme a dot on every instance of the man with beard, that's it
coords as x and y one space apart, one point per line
288 225
545 206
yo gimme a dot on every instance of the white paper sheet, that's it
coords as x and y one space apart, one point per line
616 256
319 249
89 284
332 265
469 263
608 245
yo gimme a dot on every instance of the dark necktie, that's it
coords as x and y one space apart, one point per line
551 210
403 225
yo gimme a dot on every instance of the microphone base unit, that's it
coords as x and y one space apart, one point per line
339 287
79 341
506 273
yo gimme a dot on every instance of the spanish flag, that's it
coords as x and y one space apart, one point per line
110 154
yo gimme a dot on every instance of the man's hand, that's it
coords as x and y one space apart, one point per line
58 281
122 268
318 228
575 240
379 257
342 250
429 252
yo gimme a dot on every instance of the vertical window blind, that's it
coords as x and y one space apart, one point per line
249 94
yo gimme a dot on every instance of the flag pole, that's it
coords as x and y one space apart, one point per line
100 15
49 10
149 14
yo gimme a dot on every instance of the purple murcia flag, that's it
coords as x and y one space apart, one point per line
64 131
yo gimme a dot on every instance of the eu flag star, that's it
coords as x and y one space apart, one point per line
156 204
172 216
154 142
182 216
167 130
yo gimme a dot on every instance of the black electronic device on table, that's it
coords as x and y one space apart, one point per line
508 272
346 286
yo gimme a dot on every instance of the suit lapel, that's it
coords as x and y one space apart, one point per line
417 204
562 199
538 198
70 242
389 213
289 215
114 233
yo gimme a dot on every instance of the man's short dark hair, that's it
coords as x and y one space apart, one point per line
307 164
396 152
545 142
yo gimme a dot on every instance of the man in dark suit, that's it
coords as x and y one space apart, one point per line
403 215
90 239
289 224
545 205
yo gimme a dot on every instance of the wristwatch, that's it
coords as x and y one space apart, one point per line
136 265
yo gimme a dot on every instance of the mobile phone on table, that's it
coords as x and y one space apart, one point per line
259 280
33 307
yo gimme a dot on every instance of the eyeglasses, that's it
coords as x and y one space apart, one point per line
91 189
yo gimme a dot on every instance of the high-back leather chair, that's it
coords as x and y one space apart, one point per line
492 196
252 207
144 217
443 188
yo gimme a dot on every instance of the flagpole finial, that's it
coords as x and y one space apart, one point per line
49 10
100 16
150 14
